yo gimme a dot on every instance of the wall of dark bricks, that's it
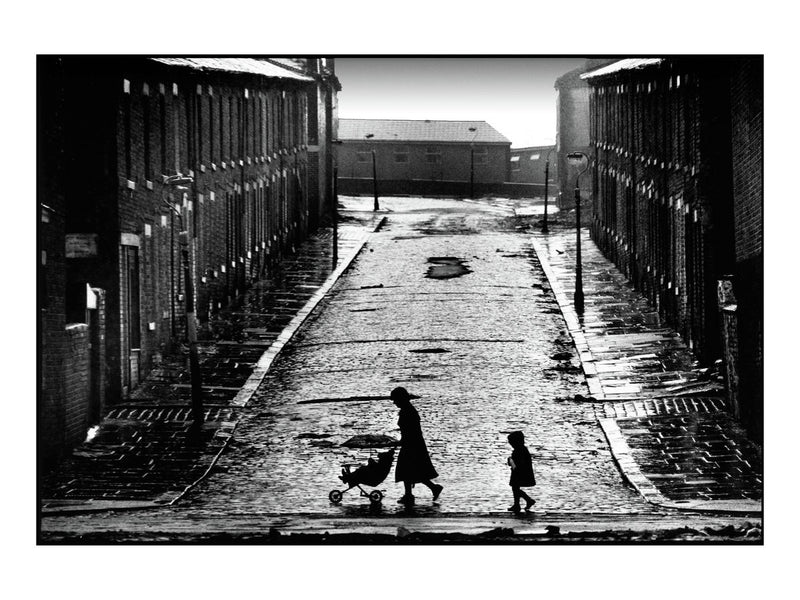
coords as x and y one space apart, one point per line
424 161
530 165
51 309
76 384
127 125
664 173
747 112
363 186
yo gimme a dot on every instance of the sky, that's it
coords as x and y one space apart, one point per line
514 95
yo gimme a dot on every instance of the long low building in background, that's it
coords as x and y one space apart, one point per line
421 156
528 165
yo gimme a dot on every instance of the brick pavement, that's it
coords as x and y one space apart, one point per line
665 419
145 451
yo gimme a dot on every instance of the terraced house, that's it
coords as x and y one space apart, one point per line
676 148
158 177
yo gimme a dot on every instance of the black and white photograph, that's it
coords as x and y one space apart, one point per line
251 283
361 303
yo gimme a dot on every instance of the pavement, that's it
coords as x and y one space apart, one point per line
146 452
614 371
666 420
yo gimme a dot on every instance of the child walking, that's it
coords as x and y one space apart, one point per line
521 471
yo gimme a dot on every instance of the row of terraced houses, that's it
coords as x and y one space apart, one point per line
675 147
147 166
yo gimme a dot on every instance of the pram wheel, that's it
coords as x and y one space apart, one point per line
335 496
375 496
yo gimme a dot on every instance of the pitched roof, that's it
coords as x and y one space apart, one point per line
573 78
626 64
253 66
420 131
533 148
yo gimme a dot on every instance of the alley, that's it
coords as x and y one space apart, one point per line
486 352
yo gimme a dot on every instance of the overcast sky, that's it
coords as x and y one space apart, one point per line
514 95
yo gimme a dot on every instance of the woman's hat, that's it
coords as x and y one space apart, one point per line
400 393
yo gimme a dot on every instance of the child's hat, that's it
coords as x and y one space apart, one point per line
516 436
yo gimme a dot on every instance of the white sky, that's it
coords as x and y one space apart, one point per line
515 95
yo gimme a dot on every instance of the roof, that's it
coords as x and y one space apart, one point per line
532 148
573 78
420 131
626 64
252 66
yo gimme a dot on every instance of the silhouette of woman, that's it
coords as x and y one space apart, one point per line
414 463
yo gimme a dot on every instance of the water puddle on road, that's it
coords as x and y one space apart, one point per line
446 267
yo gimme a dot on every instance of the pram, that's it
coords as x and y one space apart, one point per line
371 474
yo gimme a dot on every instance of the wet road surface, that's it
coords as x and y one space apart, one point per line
477 347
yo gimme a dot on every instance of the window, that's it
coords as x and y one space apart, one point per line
515 163
363 157
433 155
481 156
401 154
535 156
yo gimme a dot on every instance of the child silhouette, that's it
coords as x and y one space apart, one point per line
521 471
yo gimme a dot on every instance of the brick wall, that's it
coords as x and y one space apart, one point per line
678 194
662 197
530 165
76 384
51 303
424 161
747 126
244 144
118 127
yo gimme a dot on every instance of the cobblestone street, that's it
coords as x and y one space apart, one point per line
449 299
486 352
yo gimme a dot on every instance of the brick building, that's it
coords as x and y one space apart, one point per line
572 127
423 152
135 150
676 157
528 164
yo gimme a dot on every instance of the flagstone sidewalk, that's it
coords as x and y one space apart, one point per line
146 451
666 420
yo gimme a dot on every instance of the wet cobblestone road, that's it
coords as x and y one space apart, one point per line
487 352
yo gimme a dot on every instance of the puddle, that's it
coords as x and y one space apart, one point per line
446 267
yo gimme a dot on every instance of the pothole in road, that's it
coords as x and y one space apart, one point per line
446 267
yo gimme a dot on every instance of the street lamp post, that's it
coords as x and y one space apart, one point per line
180 182
335 216
335 202
472 162
375 206
546 181
576 159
